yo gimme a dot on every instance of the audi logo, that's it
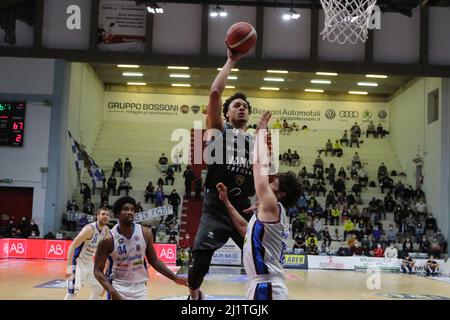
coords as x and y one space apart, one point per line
349 114
330 114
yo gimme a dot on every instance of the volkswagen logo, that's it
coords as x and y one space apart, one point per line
382 114
330 114
367 114
348 114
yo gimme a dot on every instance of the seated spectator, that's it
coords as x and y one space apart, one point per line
112 184
331 173
159 197
348 228
391 234
435 248
441 240
50 236
380 131
357 188
89 208
312 244
356 249
371 130
421 208
363 177
163 163
289 157
408 263
408 245
86 192
318 225
391 252
356 159
339 186
299 223
329 148
104 196
169 176
277 124
304 128
376 234
366 245
188 176
286 128
127 167
295 159
424 245
337 149
352 240
300 242
419 194
303 173
326 237
344 138
431 267
335 213
118 166
336 236
294 127
356 129
353 214
378 251
125 184
33 230
354 172
150 192
342 174
382 171
354 140
386 183
318 163
419 232
430 223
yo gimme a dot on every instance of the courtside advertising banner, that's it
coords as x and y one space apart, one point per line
331 262
229 255
167 253
295 261
383 264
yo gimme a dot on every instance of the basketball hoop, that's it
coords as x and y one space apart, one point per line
346 20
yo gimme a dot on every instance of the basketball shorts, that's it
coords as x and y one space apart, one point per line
131 291
83 277
267 291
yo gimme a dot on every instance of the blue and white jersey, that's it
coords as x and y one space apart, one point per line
127 260
86 251
264 248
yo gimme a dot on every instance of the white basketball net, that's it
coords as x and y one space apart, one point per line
346 20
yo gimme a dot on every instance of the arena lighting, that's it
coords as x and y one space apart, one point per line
314 90
181 85
153 7
136 83
277 71
177 68
131 66
291 15
368 84
333 74
274 79
378 76
230 87
218 11
133 74
233 70
270 88
358 92
232 78
179 75
321 81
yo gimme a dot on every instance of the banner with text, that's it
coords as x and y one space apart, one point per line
184 109
229 254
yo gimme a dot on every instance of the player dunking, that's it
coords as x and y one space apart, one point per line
80 257
268 229
126 250
215 225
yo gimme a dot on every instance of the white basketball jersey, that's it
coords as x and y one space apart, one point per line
86 251
264 247
127 261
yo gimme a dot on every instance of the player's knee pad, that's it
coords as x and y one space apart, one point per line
199 267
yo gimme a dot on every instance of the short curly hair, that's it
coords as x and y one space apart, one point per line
118 205
288 184
237 95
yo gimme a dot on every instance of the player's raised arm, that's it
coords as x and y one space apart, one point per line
268 204
105 247
84 235
238 221
158 264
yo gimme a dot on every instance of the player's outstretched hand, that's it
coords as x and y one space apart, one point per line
181 281
223 191
263 122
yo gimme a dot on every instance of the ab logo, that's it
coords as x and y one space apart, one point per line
56 249
17 248
167 253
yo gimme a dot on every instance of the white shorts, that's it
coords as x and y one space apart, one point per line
267 291
83 277
131 291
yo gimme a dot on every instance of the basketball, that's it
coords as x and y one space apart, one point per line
241 37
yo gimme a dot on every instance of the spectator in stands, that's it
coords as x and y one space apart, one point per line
356 129
371 129
318 225
335 213
354 171
118 166
33 230
356 249
431 267
198 187
150 192
336 237
441 240
357 188
382 171
163 163
104 196
354 140
300 242
86 192
174 200
23 226
408 263
356 159
435 248
430 223
89 207
303 173
188 176
139 207
331 199
366 245
352 240
329 148
50 236
289 157
391 234
363 177
339 186
376 234
112 184
159 197
177 156
419 194
353 214
337 149
326 237
344 138
391 251
380 131
348 228
160 182
295 159
299 223
378 251
342 174
389 202
312 244
421 208
424 245
408 245
169 175
419 233
386 183
286 128
294 127
277 124
125 184
127 167
331 174
318 163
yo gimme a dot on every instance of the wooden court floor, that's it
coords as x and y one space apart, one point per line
19 278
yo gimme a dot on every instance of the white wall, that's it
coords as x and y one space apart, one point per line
410 128
23 164
85 113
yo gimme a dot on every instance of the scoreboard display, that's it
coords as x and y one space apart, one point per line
12 123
